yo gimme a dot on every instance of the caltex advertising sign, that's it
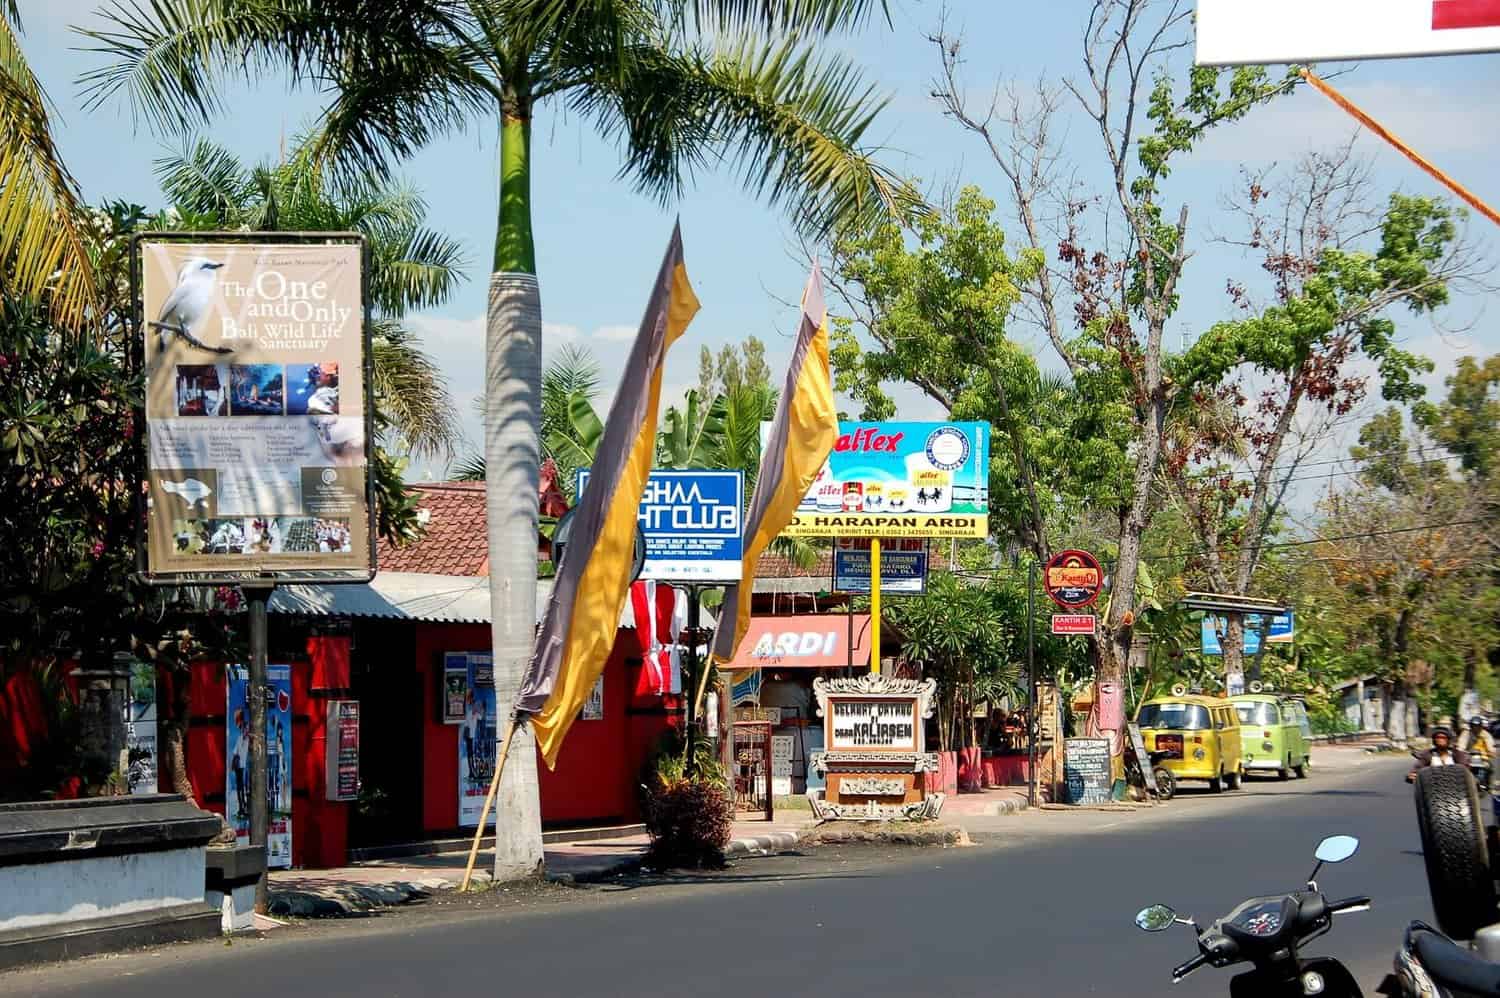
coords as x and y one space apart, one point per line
693 522
900 480
257 410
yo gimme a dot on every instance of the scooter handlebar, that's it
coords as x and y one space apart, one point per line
1359 903
1178 973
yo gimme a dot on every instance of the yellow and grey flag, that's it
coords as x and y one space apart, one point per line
593 581
801 438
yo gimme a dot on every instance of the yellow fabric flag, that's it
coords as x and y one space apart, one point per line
801 438
593 582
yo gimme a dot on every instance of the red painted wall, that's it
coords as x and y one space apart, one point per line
206 737
595 780
600 763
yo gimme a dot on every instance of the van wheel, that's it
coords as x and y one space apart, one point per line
1454 850
1285 772
1301 769
1166 784
1216 785
1232 780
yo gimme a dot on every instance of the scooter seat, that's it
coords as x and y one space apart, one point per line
1456 968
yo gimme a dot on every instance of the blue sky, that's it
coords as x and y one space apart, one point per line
598 243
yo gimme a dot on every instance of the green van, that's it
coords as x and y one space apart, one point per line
1274 733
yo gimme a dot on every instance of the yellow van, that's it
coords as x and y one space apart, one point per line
1198 738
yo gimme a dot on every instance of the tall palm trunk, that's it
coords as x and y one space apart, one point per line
512 454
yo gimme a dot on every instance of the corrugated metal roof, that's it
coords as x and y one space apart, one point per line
452 599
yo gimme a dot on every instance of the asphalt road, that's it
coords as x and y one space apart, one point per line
1041 905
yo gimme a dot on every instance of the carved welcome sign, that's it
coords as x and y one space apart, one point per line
876 764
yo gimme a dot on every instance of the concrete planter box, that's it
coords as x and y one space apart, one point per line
88 876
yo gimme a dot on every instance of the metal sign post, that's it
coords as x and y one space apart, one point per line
874 606
260 812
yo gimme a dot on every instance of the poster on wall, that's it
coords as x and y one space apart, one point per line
476 741
899 479
257 412
593 707
140 729
341 775
278 761
455 692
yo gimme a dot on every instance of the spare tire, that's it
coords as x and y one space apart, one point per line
1454 850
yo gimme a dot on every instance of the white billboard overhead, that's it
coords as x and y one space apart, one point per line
1239 32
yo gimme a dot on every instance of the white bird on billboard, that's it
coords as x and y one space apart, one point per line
188 303
189 490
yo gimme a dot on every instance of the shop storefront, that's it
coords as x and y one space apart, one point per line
774 670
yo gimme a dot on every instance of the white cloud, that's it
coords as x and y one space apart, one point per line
558 332
615 334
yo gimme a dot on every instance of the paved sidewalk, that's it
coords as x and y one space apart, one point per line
993 802
367 887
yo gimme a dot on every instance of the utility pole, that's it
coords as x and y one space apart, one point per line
1031 712
256 597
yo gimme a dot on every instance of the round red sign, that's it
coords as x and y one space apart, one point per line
1073 579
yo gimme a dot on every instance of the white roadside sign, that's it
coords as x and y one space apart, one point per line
1240 32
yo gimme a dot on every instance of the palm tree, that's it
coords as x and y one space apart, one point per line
41 240
678 85
411 266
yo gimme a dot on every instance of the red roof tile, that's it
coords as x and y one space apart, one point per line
455 543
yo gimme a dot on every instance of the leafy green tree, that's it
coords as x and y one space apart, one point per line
1334 295
676 85
1105 288
934 311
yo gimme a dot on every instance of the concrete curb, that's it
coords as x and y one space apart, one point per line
994 809
762 845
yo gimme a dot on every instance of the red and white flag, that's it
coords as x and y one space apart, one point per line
660 613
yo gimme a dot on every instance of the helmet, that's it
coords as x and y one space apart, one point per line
1441 730
1476 722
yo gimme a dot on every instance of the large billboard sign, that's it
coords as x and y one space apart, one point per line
1279 632
900 479
257 429
1238 32
693 522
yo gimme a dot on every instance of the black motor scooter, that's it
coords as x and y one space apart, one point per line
1267 932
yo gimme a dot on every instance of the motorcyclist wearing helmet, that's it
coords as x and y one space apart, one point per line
1480 746
1442 753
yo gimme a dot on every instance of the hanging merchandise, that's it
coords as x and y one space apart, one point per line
659 613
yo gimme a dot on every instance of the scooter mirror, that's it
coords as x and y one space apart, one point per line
1155 918
1336 848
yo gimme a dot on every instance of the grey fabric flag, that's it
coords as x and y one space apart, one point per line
773 493
622 429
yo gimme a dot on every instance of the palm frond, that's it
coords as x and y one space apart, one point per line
410 391
206 177
41 243
402 72
470 469
422 270
791 122
790 16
